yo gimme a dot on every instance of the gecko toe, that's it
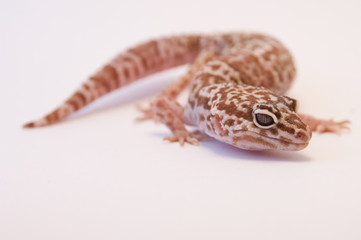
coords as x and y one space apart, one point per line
182 139
147 114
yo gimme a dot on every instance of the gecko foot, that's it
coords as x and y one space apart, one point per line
331 126
199 135
182 137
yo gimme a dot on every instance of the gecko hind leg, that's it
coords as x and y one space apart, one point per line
323 126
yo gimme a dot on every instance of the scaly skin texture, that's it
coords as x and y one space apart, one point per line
237 85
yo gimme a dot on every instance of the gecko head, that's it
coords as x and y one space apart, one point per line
257 119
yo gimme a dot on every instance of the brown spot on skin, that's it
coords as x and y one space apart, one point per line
159 114
290 75
229 122
251 98
107 78
112 75
236 80
52 117
215 67
204 102
292 119
232 110
160 104
143 60
270 109
123 58
236 139
29 125
285 128
225 72
285 141
278 114
191 103
249 90
237 131
172 93
74 104
148 54
234 98
100 83
245 115
214 98
86 87
126 72
193 43
80 97
210 89
263 132
274 131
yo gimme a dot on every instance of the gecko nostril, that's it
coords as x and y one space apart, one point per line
301 136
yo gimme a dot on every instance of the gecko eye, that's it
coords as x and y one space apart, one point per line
264 119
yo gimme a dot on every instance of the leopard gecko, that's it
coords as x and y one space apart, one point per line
237 83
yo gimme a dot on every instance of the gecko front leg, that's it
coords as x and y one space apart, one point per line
167 110
323 126
170 113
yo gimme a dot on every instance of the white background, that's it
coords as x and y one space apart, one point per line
101 176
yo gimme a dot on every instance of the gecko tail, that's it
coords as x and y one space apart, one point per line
103 82
38 123
135 63
74 103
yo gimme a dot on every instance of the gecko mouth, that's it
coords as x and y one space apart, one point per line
280 144
287 145
254 141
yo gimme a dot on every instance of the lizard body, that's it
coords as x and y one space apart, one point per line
237 85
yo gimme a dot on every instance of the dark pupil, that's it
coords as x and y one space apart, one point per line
264 119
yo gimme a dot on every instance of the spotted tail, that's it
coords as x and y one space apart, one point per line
133 64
